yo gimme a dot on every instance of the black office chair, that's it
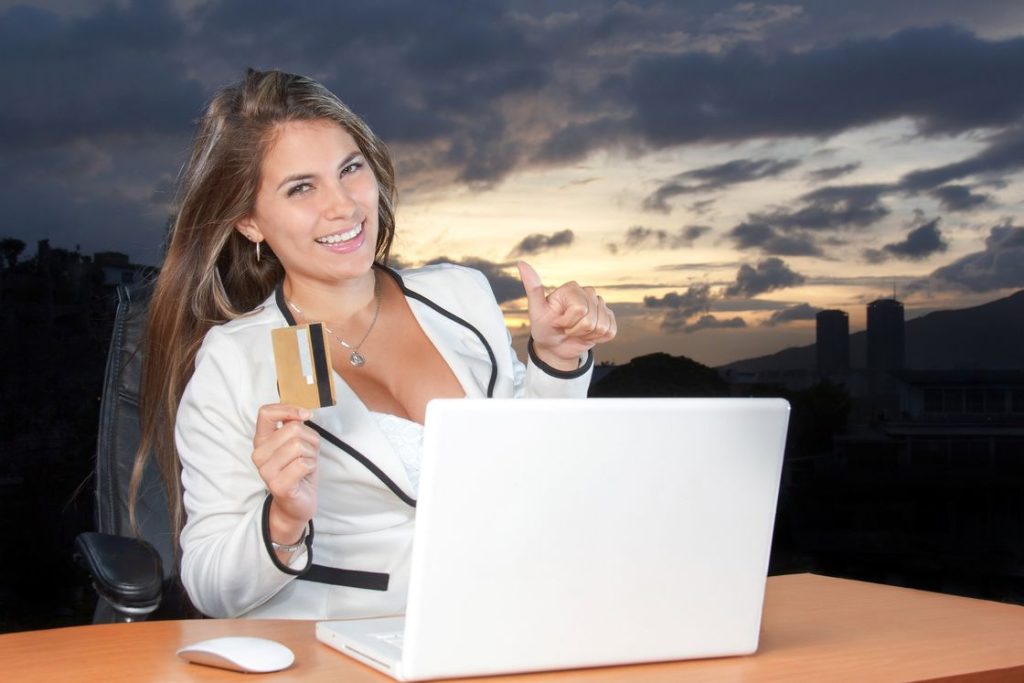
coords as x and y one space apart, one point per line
135 577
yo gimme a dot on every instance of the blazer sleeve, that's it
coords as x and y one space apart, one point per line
226 566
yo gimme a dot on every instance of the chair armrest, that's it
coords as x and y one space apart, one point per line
126 571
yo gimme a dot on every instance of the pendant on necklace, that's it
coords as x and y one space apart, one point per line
356 359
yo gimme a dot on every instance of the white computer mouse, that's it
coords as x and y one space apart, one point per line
240 653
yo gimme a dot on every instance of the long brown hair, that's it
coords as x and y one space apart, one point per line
210 275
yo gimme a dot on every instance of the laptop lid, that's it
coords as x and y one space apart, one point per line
568 533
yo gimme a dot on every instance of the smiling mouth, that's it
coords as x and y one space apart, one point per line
339 237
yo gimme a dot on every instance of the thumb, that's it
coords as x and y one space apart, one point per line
535 297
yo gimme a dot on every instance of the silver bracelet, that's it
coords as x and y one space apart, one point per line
290 548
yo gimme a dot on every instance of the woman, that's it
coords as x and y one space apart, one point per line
286 217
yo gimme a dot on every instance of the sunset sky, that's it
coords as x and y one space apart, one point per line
719 170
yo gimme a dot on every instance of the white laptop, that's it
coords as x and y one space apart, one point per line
566 533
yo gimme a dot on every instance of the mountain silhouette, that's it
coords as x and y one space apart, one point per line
985 337
659 374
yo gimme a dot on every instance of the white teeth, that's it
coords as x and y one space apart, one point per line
339 237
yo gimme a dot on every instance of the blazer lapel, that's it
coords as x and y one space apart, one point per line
351 422
460 348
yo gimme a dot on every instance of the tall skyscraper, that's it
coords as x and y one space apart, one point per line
832 343
886 345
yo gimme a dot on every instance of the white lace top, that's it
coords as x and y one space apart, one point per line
407 438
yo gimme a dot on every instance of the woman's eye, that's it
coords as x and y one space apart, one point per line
301 188
352 168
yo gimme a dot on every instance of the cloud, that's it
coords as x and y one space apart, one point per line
711 178
1004 154
116 72
798 312
640 237
1000 265
833 207
506 287
821 175
770 241
948 81
481 91
769 274
959 198
696 299
537 243
705 322
920 243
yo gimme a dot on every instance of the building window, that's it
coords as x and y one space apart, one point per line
1018 400
952 401
995 400
932 401
975 400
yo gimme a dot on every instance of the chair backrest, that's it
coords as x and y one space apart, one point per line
120 433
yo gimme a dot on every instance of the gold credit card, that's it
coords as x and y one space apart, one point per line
303 360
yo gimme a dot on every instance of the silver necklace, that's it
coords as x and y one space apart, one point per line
355 358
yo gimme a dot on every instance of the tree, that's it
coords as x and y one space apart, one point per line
11 249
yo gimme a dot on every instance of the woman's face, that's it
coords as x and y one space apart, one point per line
316 205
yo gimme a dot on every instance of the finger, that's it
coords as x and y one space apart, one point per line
571 300
287 483
585 325
269 415
295 456
600 321
611 326
291 433
536 299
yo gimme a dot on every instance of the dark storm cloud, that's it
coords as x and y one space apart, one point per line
537 243
920 243
1000 265
441 75
673 323
111 73
696 299
770 241
711 178
640 237
822 175
768 275
799 312
834 207
1004 154
947 80
506 287
473 92
959 198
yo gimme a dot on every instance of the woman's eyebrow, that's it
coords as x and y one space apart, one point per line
348 160
292 178
306 176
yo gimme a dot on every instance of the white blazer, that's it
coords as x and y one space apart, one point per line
356 563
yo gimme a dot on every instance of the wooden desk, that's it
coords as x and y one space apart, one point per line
815 629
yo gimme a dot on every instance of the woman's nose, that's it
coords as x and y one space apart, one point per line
340 204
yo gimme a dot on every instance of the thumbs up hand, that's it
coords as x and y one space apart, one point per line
566 323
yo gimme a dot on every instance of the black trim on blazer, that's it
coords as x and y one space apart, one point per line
353 578
367 463
451 316
319 573
554 372
273 553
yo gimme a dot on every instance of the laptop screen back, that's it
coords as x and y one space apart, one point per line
568 533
